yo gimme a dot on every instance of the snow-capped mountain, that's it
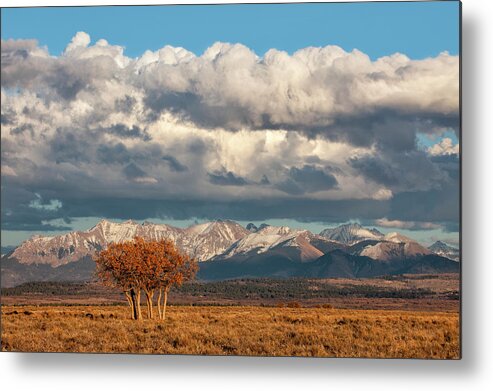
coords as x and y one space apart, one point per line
232 251
204 241
386 251
393 246
201 241
260 241
444 250
351 233
296 244
396 237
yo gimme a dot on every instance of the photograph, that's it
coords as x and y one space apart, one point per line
269 179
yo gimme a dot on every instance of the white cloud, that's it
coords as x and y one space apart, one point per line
384 222
444 147
145 179
80 40
230 86
382 194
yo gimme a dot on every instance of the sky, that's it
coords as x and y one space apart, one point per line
378 29
308 115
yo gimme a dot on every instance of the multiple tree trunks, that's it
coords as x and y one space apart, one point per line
133 299
139 265
161 307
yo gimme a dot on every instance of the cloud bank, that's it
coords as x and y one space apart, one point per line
321 134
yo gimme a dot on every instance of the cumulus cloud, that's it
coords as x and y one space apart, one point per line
80 40
319 134
445 147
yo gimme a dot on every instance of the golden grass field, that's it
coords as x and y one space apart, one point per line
233 330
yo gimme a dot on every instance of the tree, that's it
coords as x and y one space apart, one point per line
175 268
140 265
118 267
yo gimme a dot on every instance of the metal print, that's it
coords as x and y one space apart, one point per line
261 180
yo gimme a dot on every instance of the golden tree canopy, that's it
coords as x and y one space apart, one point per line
142 264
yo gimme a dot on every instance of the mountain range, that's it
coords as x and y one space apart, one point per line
225 249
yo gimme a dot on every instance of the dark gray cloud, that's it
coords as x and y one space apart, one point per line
256 209
23 128
24 225
7 118
376 169
67 81
23 209
113 153
400 172
434 205
264 180
197 146
226 178
70 146
133 171
174 164
123 131
452 227
307 179
80 201
126 104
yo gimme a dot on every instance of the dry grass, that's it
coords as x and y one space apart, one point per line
257 331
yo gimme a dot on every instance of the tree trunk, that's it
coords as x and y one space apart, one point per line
149 295
165 300
159 303
135 299
137 305
130 303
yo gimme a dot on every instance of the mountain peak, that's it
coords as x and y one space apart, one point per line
444 250
396 237
439 245
351 233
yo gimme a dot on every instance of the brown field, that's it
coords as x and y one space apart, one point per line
234 330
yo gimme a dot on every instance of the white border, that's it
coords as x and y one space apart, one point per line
473 372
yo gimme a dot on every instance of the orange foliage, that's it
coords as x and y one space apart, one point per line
144 265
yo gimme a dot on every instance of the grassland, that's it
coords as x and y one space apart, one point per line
233 330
